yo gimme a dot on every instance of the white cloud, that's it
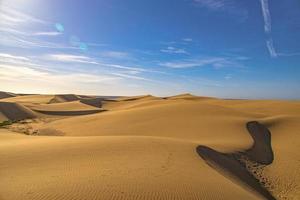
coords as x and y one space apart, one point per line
212 4
173 50
130 68
216 62
123 75
115 54
271 48
9 56
70 58
17 29
266 15
268 28
18 73
13 72
10 16
16 60
187 39
47 33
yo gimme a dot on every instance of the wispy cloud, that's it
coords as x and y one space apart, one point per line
266 15
18 28
47 33
10 56
74 58
11 71
212 4
11 16
229 6
268 27
216 62
174 50
187 39
126 68
289 54
271 48
115 54
127 76
70 58
14 67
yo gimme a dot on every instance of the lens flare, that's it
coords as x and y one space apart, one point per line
83 46
59 27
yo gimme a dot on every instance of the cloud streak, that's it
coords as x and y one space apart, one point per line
212 4
216 62
268 27
12 17
271 49
173 50
266 15
115 54
70 58
47 33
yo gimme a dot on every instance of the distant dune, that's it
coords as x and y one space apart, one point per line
14 112
6 95
146 147
64 98
187 96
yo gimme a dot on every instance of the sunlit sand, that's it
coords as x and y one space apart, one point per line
146 147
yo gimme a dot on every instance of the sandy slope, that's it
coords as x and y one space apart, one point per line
108 168
29 99
4 95
145 148
15 111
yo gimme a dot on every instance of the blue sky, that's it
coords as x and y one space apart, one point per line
222 48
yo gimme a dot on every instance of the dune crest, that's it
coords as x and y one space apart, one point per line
60 98
187 96
15 111
4 95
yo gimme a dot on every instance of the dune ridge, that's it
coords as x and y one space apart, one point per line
4 95
96 102
15 111
64 98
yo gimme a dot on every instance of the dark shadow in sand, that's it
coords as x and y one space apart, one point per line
70 113
261 151
96 102
229 165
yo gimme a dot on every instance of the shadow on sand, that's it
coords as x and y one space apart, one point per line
230 165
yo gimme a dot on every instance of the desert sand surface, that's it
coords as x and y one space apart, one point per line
145 147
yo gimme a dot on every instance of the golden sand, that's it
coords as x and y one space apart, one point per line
145 147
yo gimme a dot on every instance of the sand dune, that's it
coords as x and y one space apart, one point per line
96 102
14 112
64 98
66 109
143 147
134 98
29 99
6 95
109 168
187 96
